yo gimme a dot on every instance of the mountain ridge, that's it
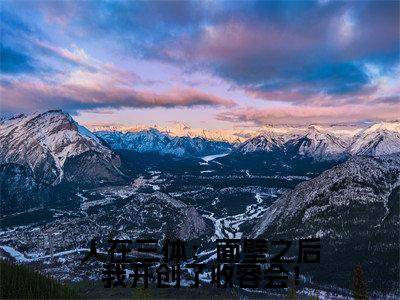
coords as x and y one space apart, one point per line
353 208
46 142
313 141
152 140
379 139
72 139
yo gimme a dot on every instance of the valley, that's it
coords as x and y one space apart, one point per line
128 186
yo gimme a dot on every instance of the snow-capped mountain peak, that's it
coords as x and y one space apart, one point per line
387 126
265 142
152 140
320 145
149 140
45 141
379 139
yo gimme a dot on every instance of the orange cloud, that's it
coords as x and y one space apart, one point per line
311 114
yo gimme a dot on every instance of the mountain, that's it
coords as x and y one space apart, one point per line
42 150
130 215
354 209
56 148
379 139
266 142
183 130
319 142
318 145
152 140
322 143
195 147
313 143
237 135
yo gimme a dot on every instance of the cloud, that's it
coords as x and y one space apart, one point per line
80 82
303 53
76 56
71 95
310 114
319 50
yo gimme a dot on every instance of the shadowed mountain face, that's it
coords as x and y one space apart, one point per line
152 140
322 145
50 143
41 151
353 208
20 190
314 142
137 215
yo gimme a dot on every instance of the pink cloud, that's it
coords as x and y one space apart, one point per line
237 40
306 94
20 96
310 114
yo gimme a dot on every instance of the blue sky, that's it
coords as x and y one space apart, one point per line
210 64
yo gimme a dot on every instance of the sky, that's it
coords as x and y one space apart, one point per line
208 64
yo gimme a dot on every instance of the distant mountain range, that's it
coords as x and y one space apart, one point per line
152 140
314 142
56 148
238 135
379 139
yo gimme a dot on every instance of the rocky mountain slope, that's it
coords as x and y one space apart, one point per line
379 139
43 150
321 144
130 216
318 145
354 209
267 142
53 146
152 140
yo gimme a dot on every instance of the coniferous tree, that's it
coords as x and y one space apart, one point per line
22 282
292 291
359 286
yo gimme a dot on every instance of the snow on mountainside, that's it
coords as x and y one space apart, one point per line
353 208
187 146
379 139
266 142
334 142
237 135
183 130
311 143
51 143
322 144
319 145
152 140
360 179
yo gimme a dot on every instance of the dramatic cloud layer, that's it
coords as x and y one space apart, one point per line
260 61
310 114
75 96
